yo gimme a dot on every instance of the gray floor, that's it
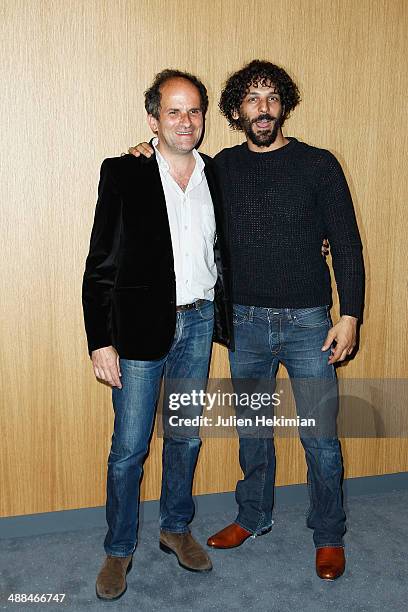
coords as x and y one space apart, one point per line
272 572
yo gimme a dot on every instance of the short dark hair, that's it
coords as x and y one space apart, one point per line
153 94
257 72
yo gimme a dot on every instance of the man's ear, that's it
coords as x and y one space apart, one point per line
153 123
235 115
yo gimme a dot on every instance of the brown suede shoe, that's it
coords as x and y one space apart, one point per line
111 580
229 537
189 553
330 562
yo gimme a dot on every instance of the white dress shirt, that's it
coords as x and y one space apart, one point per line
192 229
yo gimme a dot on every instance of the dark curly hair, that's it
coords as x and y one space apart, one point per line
153 94
257 72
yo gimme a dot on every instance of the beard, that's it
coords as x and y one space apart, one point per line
264 138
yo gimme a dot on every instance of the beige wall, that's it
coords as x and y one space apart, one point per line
74 73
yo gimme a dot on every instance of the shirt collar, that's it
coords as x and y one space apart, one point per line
163 165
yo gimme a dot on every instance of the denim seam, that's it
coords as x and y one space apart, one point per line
262 515
279 348
311 504
325 322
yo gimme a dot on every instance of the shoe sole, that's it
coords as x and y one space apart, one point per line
129 567
330 579
242 541
170 551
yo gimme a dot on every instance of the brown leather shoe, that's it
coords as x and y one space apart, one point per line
229 537
111 580
189 553
330 562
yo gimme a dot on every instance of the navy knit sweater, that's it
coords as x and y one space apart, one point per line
279 205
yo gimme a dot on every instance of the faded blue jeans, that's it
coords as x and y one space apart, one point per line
265 337
135 406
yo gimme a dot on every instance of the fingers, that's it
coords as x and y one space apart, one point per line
143 148
329 340
134 151
325 247
146 149
343 334
106 366
340 352
109 375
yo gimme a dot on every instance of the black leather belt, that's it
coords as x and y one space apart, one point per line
190 306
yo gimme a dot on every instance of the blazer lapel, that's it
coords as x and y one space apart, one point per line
157 196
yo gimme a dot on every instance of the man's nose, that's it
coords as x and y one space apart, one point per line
263 105
185 119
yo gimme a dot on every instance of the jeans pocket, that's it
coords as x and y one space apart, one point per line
207 311
311 317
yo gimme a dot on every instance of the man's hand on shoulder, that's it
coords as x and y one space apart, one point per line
106 366
325 248
143 148
344 333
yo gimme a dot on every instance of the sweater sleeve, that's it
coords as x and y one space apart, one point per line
334 199
101 263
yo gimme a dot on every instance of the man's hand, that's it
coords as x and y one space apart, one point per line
143 148
344 334
106 366
325 248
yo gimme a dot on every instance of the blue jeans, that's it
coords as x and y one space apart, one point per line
134 406
265 337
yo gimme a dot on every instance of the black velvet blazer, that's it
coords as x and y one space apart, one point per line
129 285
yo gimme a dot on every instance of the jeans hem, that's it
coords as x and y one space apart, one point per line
331 545
256 532
186 530
121 554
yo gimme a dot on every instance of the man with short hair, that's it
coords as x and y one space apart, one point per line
148 293
281 197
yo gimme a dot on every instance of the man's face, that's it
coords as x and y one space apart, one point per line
260 114
180 124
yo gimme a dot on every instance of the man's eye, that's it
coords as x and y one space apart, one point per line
195 111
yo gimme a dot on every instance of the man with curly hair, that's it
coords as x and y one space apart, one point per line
281 198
